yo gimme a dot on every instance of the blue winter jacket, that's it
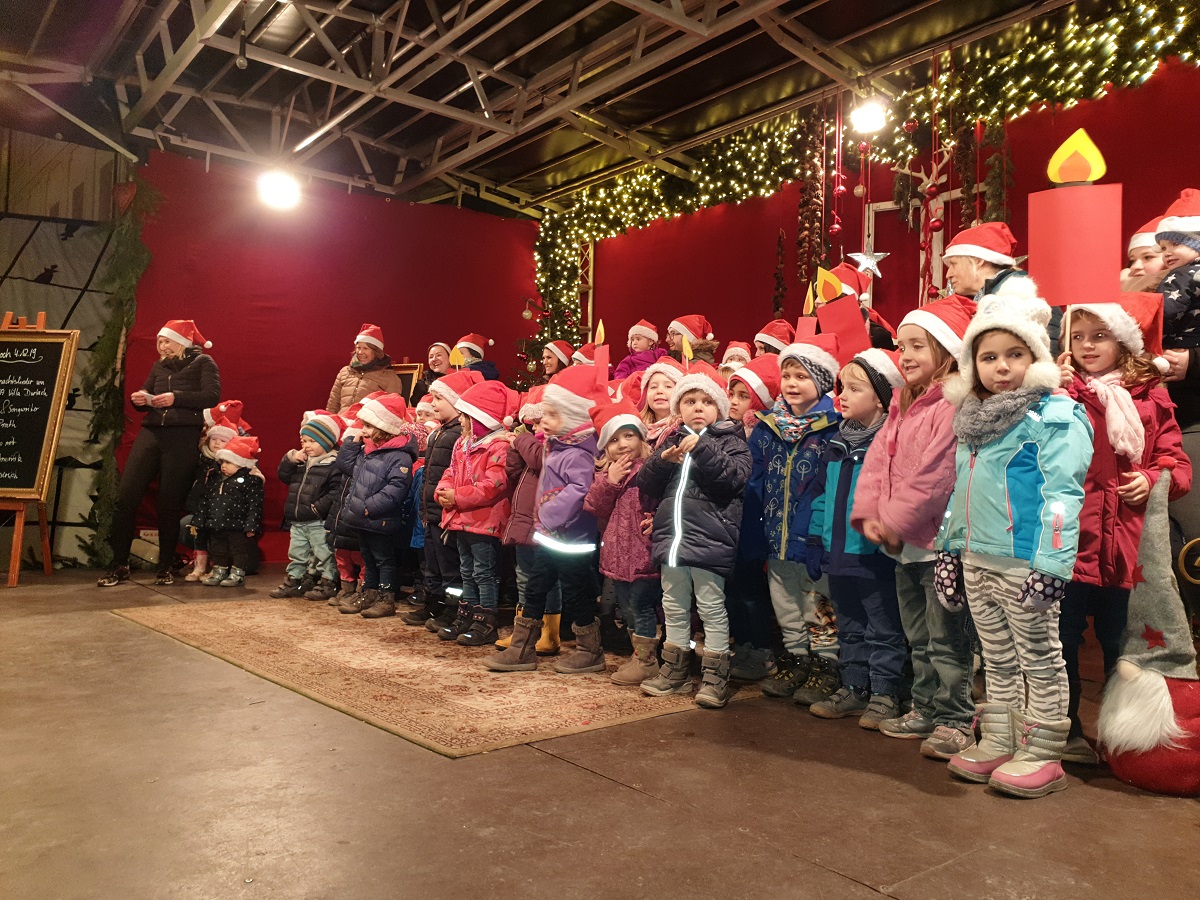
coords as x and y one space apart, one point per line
784 479
413 502
1021 495
847 552
382 479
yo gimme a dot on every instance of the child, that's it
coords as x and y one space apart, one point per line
736 355
231 511
1010 535
1145 269
1135 438
699 474
474 495
899 503
564 532
208 470
787 445
862 580
643 350
1179 237
658 382
699 333
313 482
471 346
753 389
379 463
424 415
347 557
624 550
774 338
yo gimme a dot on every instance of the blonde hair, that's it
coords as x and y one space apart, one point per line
1135 369
943 365
606 458
854 372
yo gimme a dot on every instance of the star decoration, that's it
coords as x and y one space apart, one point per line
1153 638
1138 576
868 261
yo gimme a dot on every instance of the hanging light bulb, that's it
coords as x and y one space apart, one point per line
869 116
278 189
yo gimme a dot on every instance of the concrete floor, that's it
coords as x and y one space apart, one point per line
137 767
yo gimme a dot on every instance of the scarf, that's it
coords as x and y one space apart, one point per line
656 432
856 434
980 422
1125 430
792 427
379 362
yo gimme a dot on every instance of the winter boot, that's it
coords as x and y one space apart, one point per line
614 638
459 624
673 676
714 690
750 664
480 630
360 601
502 643
324 590
994 749
824 679
844 702
215 576
588 655
423 614
447 617
384 606
346 590
551 640
235 578
642 665
520 655
199 566
286 591
1035 769
791 671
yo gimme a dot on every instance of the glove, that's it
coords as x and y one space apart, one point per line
814 557
948 581
1041 592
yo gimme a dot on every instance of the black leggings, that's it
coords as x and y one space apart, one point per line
169 455
230 548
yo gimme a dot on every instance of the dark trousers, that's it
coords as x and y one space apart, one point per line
441 559
639 601
1109 608
170 456
230 548
748 604
577 574
873 649
477 554
379 560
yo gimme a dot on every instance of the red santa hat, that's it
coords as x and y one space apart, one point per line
425 404
585 355
644 329
945 320
241 451
882 368
387 413
370 334
562 350
450 387
1146 236
475 343
819 356
737 351
992 242
664 366
702 377
1135 320
609 418
531 404
776 335
630 389
185 332
572 393
231 411
488 403
855 283
694 327
222 428
761 377
1181 224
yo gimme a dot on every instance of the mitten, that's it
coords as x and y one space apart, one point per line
814 557
948 581
1041 592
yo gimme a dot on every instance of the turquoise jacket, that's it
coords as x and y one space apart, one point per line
1021 495
847 552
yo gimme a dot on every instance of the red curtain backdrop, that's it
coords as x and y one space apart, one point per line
281 295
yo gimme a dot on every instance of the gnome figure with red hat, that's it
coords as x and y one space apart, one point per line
369 370
231 513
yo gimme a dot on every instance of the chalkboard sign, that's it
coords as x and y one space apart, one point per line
35 377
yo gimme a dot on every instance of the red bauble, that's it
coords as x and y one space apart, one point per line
839 190
933 292
123 194
931 191
864 148
924 245
910 126
936 225
835 229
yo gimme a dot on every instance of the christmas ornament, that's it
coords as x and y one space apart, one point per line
531 366
864 148
839 190
527 313
123 194
835 229
910 126
936 225
859 190
933 292
931 190
868 260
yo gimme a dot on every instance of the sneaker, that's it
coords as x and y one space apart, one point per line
750 664
946 741
791 672
165 577
1080 752
117 575
844 702
824 680
881 708
910 726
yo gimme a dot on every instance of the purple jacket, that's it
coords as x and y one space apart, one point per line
625 552
638 362
567 472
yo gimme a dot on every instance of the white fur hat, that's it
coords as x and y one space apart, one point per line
702 377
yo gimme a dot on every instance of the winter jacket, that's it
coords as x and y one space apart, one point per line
355 382
208 469
232 503
338 532
908 475
195 382
560 521
486 368
382 476
1180 291
1110 529
625 553
847 552
784 480
412 505
524 467
1186 395
312 487
421 388
1021 495
479 477
637 362
438 452
697 521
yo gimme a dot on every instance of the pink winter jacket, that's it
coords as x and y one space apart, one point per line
908 475
478 475
624 551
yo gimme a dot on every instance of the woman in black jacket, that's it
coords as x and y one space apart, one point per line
181 385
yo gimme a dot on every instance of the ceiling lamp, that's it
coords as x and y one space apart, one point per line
278 190
869 116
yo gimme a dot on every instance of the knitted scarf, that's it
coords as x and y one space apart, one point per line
656 433
792 427
1125 430
856 434
379 362
980 422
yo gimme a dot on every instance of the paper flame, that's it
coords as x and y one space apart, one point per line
1077 159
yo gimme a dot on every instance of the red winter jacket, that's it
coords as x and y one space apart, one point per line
479 478
1110 529
625 554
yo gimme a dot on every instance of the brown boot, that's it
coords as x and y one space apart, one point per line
714 687
520 655
642 665
588 656
384 606
359 602
502 643
551 639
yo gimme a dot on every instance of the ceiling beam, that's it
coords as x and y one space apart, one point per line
625 145
669 14
74 119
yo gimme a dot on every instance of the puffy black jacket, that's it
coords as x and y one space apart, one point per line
421 388
233 503
193 379
344 537
437 461
375 501
208 469
311 488
701 510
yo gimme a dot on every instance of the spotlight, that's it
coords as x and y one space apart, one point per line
869 116
279 190
241 62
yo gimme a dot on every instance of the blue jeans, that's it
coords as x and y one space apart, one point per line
1109 607
873 649
308 547
477 564
748 602
638 601
379 560
524 569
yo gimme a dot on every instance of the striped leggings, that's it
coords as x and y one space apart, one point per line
1022 653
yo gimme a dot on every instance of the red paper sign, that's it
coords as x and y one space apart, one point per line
843 317
1075 245
806 327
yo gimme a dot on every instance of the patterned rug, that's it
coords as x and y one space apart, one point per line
401 678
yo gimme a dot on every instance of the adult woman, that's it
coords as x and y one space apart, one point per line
439 365
556 356
181 385
369 370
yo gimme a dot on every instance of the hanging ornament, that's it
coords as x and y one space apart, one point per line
859 190
868 261
531 366
123 194
931 190
933 292
839 190
936 225
835 229
863 148
527 313
910 126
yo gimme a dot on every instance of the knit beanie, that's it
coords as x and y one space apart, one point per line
818 355
761 377
882 368
702 377
1181 224
325 429
572 393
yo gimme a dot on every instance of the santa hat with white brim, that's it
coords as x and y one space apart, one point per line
387 413
992 242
